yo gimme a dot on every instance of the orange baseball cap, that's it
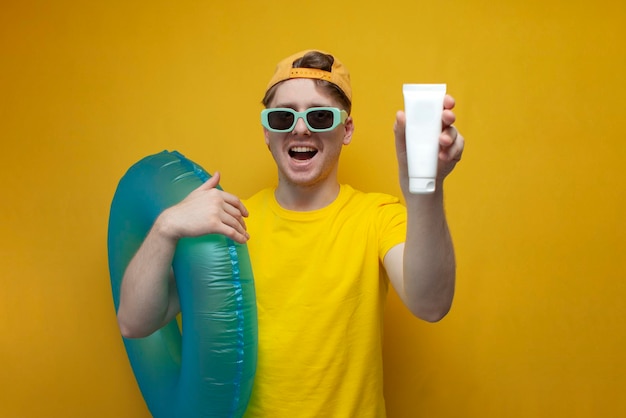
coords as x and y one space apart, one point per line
338 74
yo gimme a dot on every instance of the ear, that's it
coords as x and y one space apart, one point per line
348 127
266 136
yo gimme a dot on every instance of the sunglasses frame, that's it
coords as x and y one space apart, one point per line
339 117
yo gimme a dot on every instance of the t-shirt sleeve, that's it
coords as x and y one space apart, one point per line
391 226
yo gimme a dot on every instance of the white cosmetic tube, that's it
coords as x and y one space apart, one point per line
423 106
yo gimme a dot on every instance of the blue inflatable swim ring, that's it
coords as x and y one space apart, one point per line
208 370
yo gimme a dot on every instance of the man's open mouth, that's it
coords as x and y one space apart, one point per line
302 153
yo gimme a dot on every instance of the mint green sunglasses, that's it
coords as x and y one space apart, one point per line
317 119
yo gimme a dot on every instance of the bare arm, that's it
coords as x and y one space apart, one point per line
423 269
148 297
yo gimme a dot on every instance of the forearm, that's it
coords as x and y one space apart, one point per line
148 293
429 266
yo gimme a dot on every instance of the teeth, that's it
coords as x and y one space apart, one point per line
302 149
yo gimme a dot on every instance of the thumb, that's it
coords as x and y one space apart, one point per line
212 182
399 130
399 127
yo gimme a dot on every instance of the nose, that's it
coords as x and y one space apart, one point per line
300 127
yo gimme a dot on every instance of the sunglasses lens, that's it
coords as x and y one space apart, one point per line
320 118
280 120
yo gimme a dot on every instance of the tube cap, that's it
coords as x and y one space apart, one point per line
420 185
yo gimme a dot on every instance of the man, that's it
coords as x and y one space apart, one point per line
322 253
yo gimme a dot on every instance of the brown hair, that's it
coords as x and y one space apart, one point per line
321 61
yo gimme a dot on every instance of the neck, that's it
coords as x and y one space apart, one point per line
306 198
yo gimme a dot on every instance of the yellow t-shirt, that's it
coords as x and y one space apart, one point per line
320 289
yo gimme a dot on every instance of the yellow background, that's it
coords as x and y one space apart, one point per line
536 207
